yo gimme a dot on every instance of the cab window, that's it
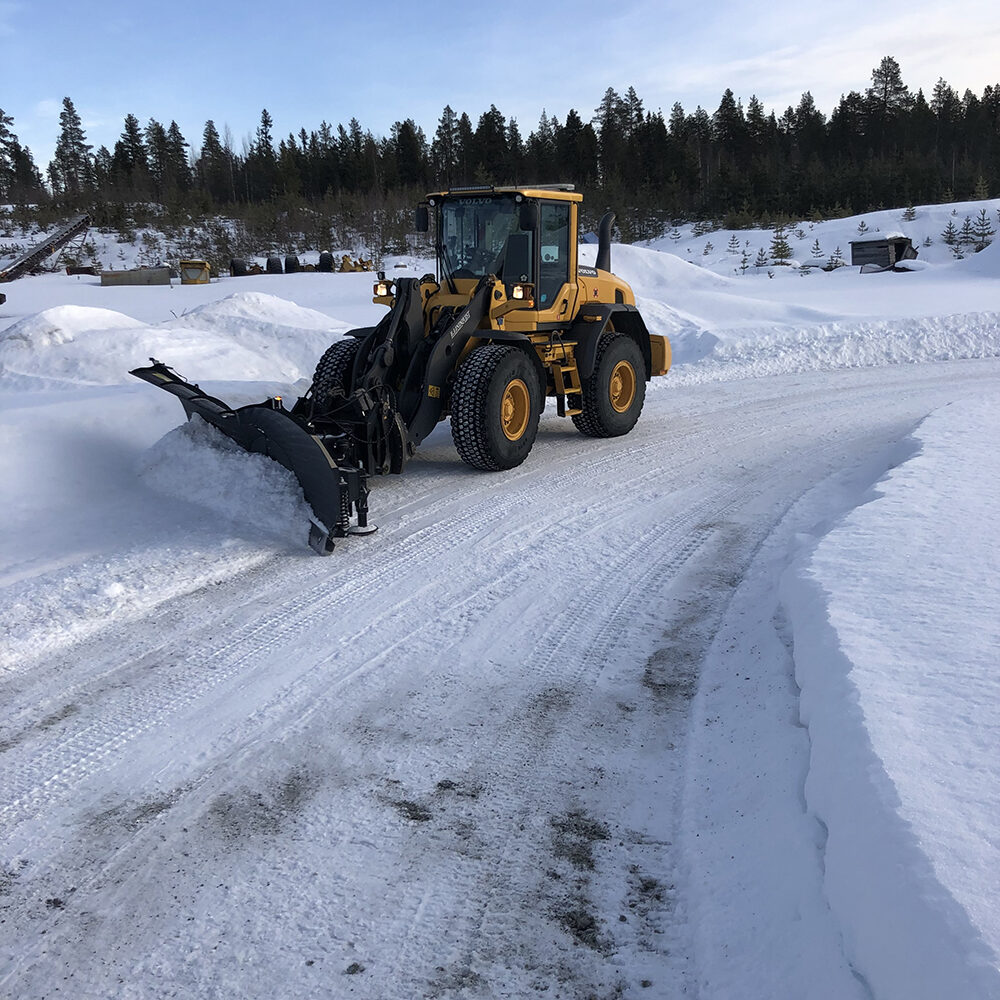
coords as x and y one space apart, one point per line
553 246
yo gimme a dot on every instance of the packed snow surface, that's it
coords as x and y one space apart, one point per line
899 694
707 710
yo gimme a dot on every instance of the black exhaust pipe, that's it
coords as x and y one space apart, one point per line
604 242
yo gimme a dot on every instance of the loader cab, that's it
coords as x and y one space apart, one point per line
521 235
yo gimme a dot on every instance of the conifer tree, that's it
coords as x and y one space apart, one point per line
262 161
158 155
7 140
612 118
130 159
409 148
541 148
213 167
781 252
178 169
950 234
982 231
490 146
71 170
444 148
463 148
27 184
515 151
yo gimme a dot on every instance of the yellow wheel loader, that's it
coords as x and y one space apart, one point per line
510 318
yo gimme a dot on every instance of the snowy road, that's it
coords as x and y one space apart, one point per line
450 759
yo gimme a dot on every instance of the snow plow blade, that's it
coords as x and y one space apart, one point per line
267 428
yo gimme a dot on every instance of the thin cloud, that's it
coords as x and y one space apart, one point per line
49 107
8 13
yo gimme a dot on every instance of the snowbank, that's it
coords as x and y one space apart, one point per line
248 335
780 348
894 615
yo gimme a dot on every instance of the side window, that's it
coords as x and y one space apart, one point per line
553 245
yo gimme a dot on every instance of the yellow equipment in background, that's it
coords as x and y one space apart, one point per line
348 265
195 272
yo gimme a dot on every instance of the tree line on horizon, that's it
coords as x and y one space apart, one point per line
882 147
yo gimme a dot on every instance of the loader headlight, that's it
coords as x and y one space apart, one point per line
383 288
520 291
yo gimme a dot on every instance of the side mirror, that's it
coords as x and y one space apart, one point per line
423 219
527 218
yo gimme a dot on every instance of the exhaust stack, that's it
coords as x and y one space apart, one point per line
604 242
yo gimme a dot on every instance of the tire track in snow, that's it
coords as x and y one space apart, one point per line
35 777
514 763
86 746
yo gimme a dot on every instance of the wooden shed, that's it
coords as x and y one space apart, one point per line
884 251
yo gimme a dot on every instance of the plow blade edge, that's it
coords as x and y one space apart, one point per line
269 429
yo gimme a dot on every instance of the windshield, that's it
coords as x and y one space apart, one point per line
473 233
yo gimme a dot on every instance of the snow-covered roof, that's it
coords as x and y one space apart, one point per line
882 237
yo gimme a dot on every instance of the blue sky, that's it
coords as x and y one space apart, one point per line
307 61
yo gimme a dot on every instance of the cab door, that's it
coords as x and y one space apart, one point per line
555 295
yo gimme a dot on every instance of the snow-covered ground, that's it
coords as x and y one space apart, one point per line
709 710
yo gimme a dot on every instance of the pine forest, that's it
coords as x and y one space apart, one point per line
738 165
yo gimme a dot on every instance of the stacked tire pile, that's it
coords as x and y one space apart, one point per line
239 268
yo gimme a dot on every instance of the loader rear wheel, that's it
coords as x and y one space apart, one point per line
495 404
333 373
613 395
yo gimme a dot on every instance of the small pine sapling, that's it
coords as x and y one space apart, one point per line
734 244
950 234
910 214
761 260
862 226
781 252
817 250
982 231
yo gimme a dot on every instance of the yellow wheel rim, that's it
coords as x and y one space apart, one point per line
622 389
514 410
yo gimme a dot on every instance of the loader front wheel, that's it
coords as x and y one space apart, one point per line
333 373
613 395
495 404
